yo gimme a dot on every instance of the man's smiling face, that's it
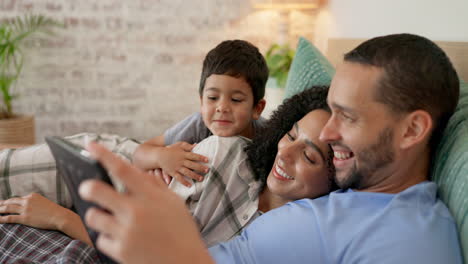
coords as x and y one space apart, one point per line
361 129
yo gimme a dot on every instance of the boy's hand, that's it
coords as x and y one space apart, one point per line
162 175
178 161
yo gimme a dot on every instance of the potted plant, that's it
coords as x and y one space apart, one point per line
16 129
279 59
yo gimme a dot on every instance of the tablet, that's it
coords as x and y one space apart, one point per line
74 165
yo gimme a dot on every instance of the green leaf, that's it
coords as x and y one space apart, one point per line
282 78
12 35
279 59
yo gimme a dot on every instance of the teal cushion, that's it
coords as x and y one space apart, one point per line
309 67
450 169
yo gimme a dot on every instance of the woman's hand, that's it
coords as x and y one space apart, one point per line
37 211
32 210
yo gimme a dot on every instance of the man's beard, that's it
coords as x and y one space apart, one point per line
372 158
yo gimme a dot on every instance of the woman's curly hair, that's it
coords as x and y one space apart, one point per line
261 152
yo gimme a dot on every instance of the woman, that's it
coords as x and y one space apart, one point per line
234 192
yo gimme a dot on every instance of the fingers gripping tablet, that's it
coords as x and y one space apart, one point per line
74 165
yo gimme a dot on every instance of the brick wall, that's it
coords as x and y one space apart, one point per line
129 67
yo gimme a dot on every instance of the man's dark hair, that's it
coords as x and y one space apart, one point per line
261 152
417 75
239 59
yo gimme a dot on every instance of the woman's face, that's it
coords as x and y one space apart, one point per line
300 168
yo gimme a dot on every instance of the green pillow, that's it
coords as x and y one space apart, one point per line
450 169
309 67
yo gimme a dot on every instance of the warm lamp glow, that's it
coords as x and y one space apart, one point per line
284 7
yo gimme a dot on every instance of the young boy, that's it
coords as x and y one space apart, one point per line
232 88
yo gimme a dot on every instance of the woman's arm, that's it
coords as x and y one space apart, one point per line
37 211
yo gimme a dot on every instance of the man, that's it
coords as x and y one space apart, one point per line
390 100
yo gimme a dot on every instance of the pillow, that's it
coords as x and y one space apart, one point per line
309 67
450 169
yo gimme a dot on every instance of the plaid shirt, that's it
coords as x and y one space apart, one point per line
24 244
227 199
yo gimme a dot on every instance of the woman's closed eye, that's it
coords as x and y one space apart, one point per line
309 157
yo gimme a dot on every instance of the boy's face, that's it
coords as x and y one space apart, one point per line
227 106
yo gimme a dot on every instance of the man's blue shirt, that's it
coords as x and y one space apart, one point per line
413 226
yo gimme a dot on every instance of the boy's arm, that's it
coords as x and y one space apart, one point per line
145 154
175 160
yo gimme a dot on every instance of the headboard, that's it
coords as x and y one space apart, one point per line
457 51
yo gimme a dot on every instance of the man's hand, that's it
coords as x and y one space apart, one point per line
147 224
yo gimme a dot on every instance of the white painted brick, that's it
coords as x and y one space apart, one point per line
130 67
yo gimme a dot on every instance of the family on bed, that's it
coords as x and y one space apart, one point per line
338 174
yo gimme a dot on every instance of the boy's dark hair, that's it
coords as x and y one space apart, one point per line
261 152
417 75
237 58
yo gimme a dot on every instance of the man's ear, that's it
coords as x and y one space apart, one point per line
417 127
258 109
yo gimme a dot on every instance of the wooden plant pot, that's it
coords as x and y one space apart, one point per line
17 131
